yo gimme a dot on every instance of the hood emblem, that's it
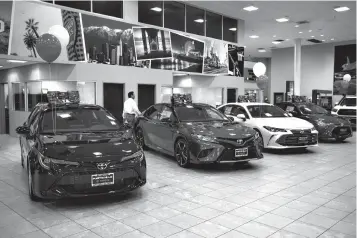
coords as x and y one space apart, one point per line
302 132
240 141
102 166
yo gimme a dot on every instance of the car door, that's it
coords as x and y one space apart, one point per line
166 129
149 125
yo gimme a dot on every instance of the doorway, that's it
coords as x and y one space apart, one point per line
231 95
4 109
114 99
146 96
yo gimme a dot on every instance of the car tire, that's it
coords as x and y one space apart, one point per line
32 196
22 156
182 154
139 134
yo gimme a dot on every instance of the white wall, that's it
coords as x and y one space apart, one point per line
317 68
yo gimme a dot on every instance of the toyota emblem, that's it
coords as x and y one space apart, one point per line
240 141
301 132
102 166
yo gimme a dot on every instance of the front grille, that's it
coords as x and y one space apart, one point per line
301 132
347 112
296 140
229 154
233 143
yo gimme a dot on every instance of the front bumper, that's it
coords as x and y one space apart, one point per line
223 151
335 132
292 139
54 184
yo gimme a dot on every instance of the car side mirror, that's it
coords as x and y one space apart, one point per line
23 130
230 118
242 116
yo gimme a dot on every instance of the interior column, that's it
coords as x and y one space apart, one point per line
297 66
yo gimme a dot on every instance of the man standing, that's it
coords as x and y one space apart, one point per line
130 109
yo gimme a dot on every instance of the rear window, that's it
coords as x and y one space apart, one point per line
78 120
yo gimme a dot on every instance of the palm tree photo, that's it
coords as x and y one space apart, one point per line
32 25
30 42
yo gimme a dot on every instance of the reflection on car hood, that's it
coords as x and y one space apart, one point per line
283 122
220 129
324 120
86 146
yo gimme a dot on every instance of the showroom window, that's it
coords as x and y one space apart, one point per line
150 12
230 29
81 5
109 8
195 20
174 15
18 91
213 25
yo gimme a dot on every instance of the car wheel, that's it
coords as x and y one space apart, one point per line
33 197
182 155
140 138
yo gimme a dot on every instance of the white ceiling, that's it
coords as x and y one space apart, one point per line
7 65
323 20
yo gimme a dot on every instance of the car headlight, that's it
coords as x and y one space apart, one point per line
139 155
46 162
204 138
273 129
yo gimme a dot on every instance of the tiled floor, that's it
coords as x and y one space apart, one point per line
310 194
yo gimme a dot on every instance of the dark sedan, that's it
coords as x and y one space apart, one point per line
79 150
328 126
196 133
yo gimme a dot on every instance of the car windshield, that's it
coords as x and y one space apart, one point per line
349 102
193 113
85 119
266 111
312 109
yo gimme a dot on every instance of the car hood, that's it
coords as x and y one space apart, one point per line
283 123
220 130
322 120
89 146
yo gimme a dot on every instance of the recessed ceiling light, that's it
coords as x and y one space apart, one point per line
297 25
283 19
341 9
156 9
199 20
312 36
244 46
310 30
287 39
233 29
323 40
332 39
300 32
1 66
261 50
321 35
274 35
276 42
250 8
16 61
254 36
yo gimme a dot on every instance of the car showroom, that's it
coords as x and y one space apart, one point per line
180 119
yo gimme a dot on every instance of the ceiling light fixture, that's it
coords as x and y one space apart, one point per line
300 32
287 39
274 35
332 39
323 40
276 42
233 29
341 9
321 35
310 30
1 66
261 50
254 36
312 36
199 20
250 8
297 25
156 9
16 61
283 19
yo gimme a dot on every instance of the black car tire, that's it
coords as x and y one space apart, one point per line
33 197
139 134
182 154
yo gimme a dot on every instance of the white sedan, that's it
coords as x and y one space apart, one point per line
277 129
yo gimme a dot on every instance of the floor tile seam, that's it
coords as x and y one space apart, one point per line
347 216
75 221
275 228
279 216
138 229
85 229
92 229
12 186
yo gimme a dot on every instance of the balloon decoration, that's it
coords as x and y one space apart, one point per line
262 82
347 77
345 84
61 33
48 47
259 69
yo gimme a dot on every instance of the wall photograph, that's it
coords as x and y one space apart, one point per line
345 63
5 24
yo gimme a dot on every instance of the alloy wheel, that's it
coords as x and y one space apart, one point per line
181 153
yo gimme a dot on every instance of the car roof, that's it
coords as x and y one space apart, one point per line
248 103
351 97
48 106
180 105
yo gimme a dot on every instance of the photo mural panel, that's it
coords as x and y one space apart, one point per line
31 20
152 43
215 57
5 24
345 63
108 41
236 60
187 53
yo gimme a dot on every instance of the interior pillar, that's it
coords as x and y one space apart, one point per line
297 67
